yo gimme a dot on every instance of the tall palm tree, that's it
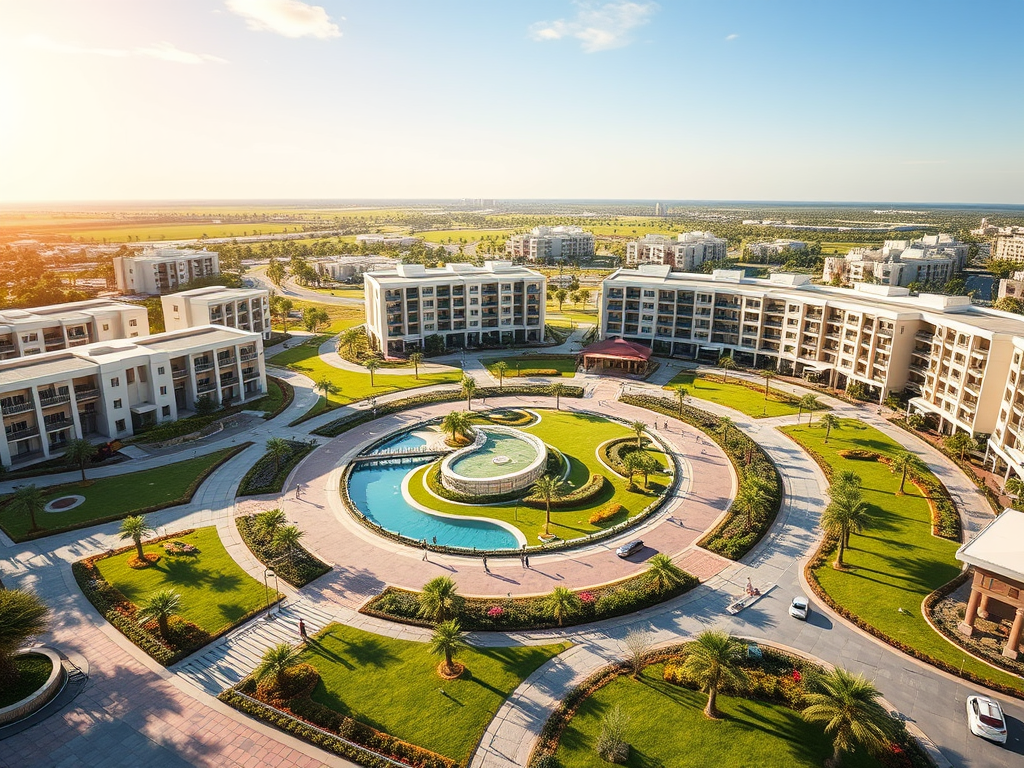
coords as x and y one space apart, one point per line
447 641
846 478
638 427
78 453
548 488
713 661
768 374
847 705
662 573
844 514
28 500
440 599
268 521
278 448
372 364
829 421
22 615
961 443
906 463
561 603
350 338
681 394
416 358
752 501
287 539
160 605
468 390
455 423
276 661
810 404
134 527
727 364
326 387
501 366
557 390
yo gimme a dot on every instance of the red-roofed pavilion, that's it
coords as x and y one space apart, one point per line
616 355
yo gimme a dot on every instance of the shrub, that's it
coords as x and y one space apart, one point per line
858 454
298 570
576 498
268 474
539 372
601 515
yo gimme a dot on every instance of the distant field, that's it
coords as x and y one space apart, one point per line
842 248
470 235
148 232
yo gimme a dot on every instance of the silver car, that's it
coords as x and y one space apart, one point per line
799 608
986 719
628 549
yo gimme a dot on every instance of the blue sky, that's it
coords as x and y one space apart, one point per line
734 99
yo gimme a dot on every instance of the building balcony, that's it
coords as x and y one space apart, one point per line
81 395
48 401
202 365
205 386
21 434
18 407
178 373
225 361
58 425
250 373
249 355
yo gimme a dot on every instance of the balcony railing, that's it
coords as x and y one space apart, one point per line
249 355
86 394
205 386
250 374
57 426
203 366
13 408
55 399
21 434
178 373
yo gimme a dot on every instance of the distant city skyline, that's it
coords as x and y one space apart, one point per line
557 100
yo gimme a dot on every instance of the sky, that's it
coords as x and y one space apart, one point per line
336 99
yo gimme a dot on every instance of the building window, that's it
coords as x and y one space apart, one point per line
160 371
142 374
132 323
106 327
130 373
166 410
119 425
117 403
175 306
115 381
163 390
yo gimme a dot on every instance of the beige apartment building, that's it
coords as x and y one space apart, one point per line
557 243
62 326
163 270
110 389
247 309
686 252
1010 244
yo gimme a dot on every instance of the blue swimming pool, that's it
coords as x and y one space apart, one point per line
408 440
377 493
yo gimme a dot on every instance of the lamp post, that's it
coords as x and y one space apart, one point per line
267 573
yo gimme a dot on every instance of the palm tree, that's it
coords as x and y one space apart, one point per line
276 661
28 500
349 338
681 394
326 387
416 358
638 427
844 514
134 527
727 364
557 390
961 443
468 390
845 479
829 421
663 573
561 602
455 423
372 364
268 521
847 705
78 453
713 661
548 488
1015 487
768 375
447 641
808 403
725 424
287 538
22 615
278 448
501 366
906 463
752 500
440 599
160 605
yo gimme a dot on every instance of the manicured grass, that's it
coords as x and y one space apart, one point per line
392 685
751 733
175 231
734 395
347 291
110 498
215 592
354 385
896 561
33 672
271 402
565 364
577 435
342 317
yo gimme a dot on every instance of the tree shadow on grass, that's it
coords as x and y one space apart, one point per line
368 652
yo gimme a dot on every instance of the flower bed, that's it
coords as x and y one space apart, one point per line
509 417
298 570
609 512
268 474
615 451
527 613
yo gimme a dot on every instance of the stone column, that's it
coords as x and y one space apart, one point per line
966 626
1010 651
983 607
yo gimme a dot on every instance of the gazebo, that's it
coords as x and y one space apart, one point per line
617 355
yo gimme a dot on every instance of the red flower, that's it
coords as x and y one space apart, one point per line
797 676
587 597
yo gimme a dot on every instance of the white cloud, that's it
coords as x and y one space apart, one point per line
730 38
164 51
290 18
598 26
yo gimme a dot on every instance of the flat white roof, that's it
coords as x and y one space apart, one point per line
219 293
493 270
999 548
74 311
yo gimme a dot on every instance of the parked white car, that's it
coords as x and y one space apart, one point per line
799 608
986 718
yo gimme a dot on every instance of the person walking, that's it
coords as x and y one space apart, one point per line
486 569
302 631
526 559
425 549
298 491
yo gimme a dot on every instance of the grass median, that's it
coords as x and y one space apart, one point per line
733 394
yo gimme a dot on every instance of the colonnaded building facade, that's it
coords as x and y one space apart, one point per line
960 364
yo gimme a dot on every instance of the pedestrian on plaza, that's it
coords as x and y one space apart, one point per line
298 491
526 558
522 559
302 631
488 570
425 549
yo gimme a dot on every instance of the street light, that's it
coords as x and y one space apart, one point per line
267 573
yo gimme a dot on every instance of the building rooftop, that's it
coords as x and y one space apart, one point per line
176 341
163 254
63 364
999 547
217 293
401 273
74 310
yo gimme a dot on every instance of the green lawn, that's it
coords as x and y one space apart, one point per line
33 671
346 291
566 364
354 385
577 435
734 395
751 733
392 685
342 317
896 562
174 231
215 592
114 497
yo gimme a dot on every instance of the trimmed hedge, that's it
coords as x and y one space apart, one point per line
287 396
265 476
528 613
358 418
601 515
614 452
731 538
582 495
302 568
509 417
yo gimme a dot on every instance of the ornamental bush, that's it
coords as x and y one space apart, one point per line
298 570
601 515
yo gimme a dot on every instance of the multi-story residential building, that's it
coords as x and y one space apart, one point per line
466 306
930 260
1010 244
558 243
60 326
773 247
342 268
110 389
247 309
685 253
163 270
392 241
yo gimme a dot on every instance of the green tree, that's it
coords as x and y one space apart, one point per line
349 339
905 463
501 366
160 605
633 464
276 272
844 515
848 707
829 421
767 374
547 488
681 393
278 448
326 387
468 390
638 427
440 600
447 641
416 358
281 308
28 500
78 453
561 603
808 403
455 423
556 390
135 527
663 574
727 364
22 615
753 501
268 521
725 426
287 539
714 661
275 662
960 443
560 296
372 364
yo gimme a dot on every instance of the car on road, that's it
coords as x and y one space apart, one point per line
628 549
799 608
985 718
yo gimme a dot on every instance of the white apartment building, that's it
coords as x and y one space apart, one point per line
110 389
773 247
392 241
559 243
933 259
61 326
1010 245
467 306
163 270
685 253
342 268
247 309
